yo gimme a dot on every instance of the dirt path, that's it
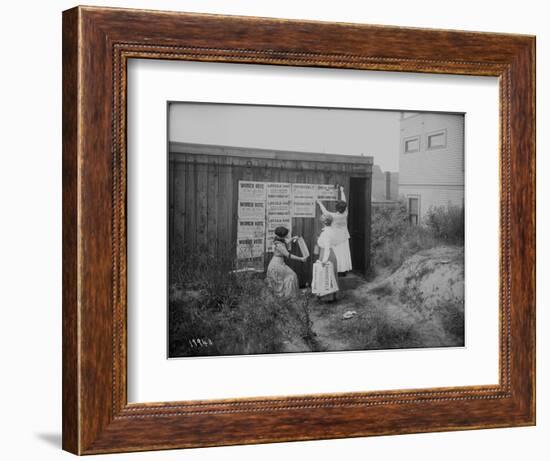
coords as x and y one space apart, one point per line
326 317
392 311
322 327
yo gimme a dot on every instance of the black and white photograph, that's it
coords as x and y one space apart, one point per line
275 230
305 229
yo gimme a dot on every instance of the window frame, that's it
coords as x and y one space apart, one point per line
408 139
443 131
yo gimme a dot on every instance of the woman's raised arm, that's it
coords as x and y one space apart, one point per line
323 209
343 194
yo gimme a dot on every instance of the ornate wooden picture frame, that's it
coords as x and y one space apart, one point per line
97 44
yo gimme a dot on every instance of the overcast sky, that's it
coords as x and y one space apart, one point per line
337 131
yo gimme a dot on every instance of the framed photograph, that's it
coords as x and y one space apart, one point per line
282 230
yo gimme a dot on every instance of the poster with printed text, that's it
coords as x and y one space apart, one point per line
278 191
278 209
250 247
273 221
251 191
251 228
303 200
327 192
251 210
278 206
278 195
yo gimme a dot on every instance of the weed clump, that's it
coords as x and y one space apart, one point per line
394 239
214 310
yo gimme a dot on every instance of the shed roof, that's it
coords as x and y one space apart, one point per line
271 154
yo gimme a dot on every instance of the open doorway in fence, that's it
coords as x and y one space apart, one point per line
309 229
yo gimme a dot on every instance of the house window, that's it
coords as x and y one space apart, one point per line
437 140
414 208
412 144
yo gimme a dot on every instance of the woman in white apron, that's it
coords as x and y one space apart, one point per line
340 230
326 244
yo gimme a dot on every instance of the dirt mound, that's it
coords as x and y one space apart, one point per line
436 275
421 304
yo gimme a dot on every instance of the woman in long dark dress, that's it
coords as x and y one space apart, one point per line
281 278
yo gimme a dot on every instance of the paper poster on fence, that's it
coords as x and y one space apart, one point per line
303 200
278 190
251 210
250 247
326 192
304 191
251 228
278 206
303 208
251 191
278 196
273 221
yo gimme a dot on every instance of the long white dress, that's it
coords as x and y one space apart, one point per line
281 278
326 243
341 236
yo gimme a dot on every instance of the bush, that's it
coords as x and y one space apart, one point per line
213 311
392 252
446 223
258 323
388 222
451 316
199 268
393 239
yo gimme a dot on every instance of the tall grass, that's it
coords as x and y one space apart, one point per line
446 223
451 317
375 328
393 239
215 311
410 324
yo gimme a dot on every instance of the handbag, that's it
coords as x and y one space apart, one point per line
324 282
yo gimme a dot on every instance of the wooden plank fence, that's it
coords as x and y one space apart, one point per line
203 191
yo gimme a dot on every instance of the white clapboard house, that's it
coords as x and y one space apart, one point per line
431 162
